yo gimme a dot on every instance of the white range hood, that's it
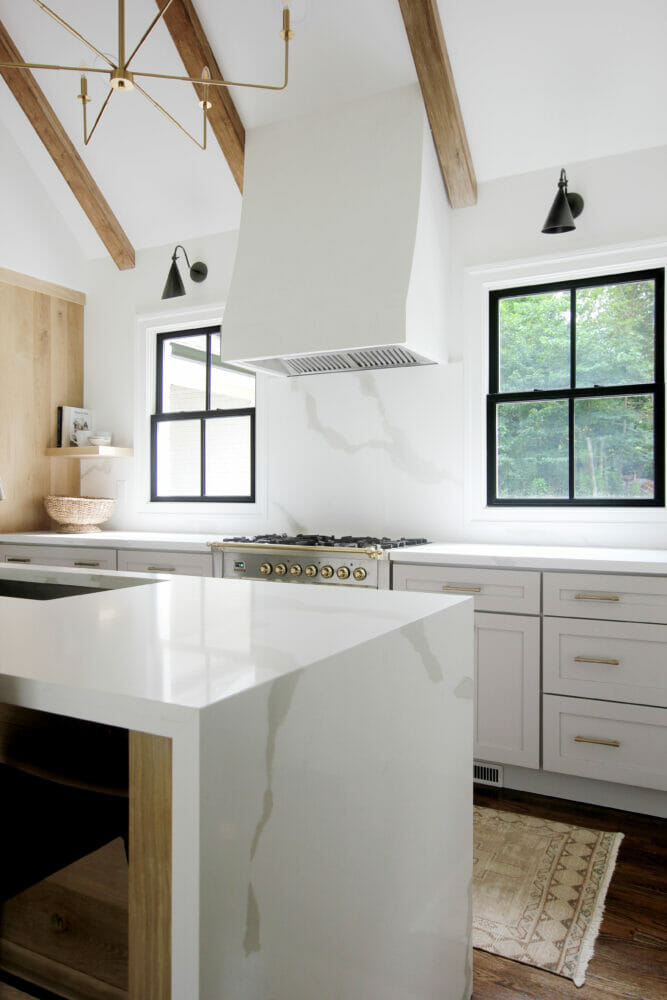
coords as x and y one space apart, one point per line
342 260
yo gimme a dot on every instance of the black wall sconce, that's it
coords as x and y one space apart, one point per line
174 284
565 209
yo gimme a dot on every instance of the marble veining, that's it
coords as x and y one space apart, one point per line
396 446
251 940
465 689
416 636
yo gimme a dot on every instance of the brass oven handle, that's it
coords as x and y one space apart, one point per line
602 743
17 560
596 597
161 569
459 587
595 659
91 565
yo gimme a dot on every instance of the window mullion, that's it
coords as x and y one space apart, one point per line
202 454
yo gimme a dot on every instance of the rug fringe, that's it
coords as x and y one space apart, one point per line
588 944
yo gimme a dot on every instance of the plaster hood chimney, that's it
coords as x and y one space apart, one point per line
342 259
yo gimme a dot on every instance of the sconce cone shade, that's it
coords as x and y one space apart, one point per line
565 209
173 286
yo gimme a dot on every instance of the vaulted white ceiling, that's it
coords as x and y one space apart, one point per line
539 85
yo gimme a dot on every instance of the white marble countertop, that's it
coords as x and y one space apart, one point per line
186 641
543 557
160 540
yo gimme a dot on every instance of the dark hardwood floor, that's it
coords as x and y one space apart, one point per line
630 960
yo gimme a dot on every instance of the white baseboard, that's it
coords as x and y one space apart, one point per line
600 793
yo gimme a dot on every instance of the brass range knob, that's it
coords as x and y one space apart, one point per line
280 569
359 573
295 570
342 572
326 572
265 569
310 570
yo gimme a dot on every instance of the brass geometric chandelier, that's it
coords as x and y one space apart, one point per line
121 78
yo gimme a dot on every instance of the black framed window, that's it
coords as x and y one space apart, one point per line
203 428
576 404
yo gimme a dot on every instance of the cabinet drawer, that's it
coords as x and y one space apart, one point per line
597 739
156 561
505 590
59 555
605 595
617 661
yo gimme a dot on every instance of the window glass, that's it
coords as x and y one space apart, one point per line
228 456
534 342
614 447
184 374
231 388
178 458
533 449
615 329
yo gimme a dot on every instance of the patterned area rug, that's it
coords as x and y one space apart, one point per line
539 890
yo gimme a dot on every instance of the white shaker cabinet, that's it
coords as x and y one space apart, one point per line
507 653
156 561
87 557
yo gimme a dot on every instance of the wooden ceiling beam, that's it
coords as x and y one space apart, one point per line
429 51
47 125
195 51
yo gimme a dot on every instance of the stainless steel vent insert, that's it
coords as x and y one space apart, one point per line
368 359
487 774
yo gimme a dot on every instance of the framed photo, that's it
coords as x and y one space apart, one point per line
75 426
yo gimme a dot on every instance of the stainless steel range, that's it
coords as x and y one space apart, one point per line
348 561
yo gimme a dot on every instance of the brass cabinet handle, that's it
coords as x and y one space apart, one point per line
459 587
161 569
595 659
596 597
91 565
16 559
602 743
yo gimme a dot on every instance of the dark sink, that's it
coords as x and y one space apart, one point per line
33 590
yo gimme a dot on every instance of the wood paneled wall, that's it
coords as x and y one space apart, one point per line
41 367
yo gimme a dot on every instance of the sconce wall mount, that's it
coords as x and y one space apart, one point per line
173 286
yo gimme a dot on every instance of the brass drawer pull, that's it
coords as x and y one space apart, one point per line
16 559
596 597
91 565
161 569
602 743
595 659
462 589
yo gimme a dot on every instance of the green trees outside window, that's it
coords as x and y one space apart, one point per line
575 411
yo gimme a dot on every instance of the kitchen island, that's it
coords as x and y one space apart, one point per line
300 776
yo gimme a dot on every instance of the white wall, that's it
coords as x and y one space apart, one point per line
387 452
34 238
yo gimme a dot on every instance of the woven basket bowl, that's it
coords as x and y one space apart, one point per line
79 514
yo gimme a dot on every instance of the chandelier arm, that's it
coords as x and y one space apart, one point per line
151 100
155 20
88 136
74 69
73 31
220 83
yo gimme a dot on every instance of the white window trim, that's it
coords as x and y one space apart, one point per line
147 328
478 282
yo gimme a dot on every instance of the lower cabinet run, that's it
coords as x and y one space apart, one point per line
599 709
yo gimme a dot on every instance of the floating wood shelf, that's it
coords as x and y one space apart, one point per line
90 451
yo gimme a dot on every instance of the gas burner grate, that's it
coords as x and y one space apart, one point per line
331 541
